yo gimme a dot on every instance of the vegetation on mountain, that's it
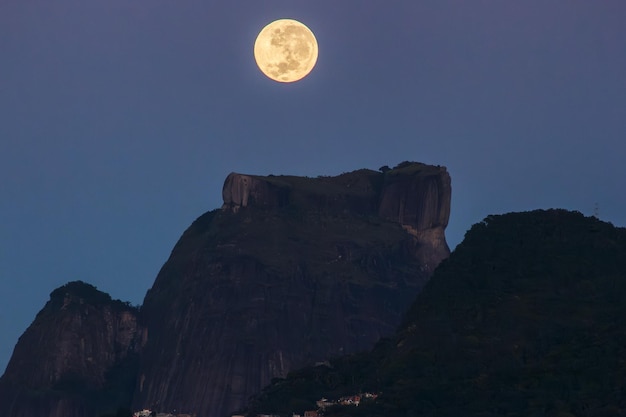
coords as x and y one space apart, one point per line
524 319
76 293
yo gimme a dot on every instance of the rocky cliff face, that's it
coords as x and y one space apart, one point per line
420 202
77 358
291 271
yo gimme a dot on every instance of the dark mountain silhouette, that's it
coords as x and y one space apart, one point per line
290 271
78 358
525 318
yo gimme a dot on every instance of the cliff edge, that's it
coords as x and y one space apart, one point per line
415 195
290 271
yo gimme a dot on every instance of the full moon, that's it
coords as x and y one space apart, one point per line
285 50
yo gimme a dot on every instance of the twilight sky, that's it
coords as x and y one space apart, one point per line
120 119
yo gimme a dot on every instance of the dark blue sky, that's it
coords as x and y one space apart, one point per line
120 119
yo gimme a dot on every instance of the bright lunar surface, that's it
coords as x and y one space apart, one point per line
285 50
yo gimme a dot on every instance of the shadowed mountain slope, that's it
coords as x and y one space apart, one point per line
525 318
78 358
290 271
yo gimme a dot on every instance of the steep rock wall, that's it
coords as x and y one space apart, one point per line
291 271
75 358
418 198
243 190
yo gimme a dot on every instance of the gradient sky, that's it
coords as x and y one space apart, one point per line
120 119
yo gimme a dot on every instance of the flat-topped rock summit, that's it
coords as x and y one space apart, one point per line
289 271
415 195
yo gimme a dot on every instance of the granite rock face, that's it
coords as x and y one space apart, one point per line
290 271
421 204
79 355
243 190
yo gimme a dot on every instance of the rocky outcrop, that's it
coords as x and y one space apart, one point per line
414 195
291 271
243 190
77 358
418 197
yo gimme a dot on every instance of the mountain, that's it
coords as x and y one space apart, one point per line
523 319
79 356
291 271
